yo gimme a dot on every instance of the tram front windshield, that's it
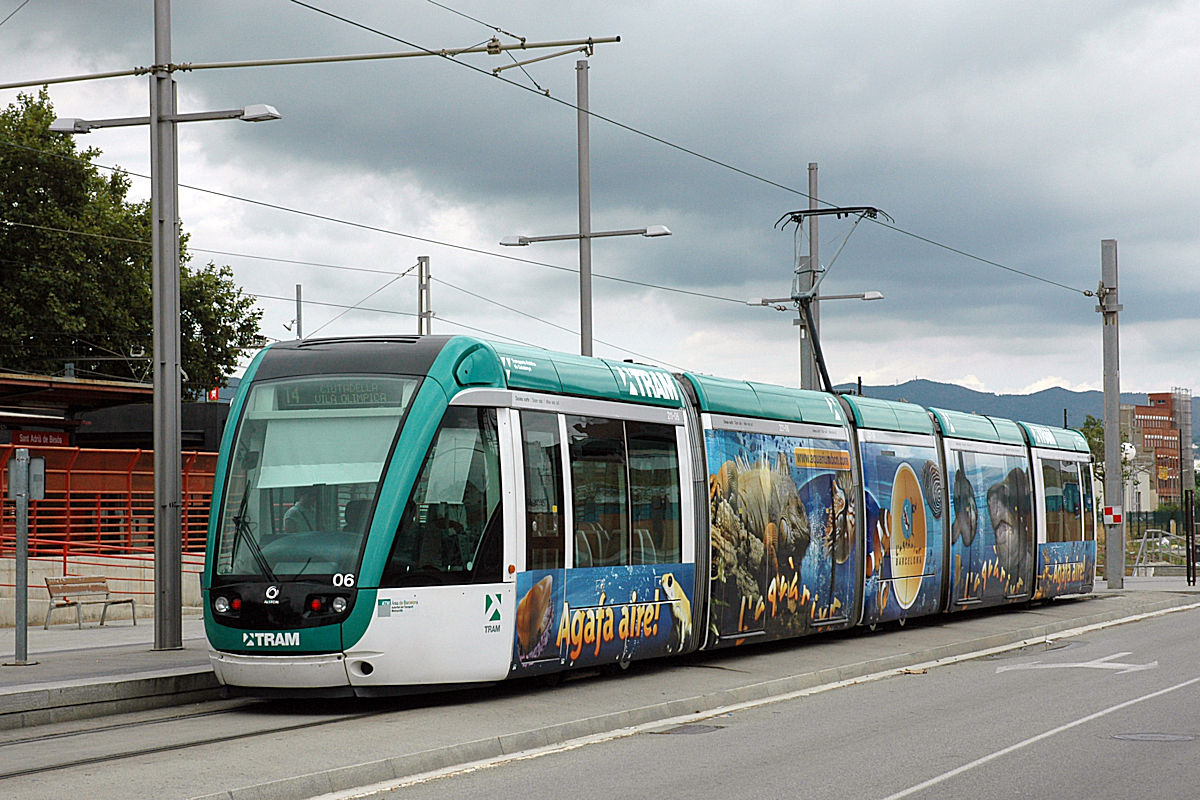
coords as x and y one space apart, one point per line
304 473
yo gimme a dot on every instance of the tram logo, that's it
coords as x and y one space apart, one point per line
257 639
272 595
491 611
644 383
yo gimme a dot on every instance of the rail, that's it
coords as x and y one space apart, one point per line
1159 548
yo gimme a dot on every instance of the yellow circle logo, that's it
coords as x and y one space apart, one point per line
907 551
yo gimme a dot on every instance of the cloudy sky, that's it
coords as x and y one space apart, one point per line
1005 139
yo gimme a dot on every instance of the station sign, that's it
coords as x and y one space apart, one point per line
39 438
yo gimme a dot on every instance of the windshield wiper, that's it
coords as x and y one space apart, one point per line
242 532
300 571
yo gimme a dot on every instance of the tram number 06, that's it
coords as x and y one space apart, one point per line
344 579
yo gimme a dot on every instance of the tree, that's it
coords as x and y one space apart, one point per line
1093 430
75 268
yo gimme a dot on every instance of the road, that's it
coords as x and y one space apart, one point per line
1113 714
863 739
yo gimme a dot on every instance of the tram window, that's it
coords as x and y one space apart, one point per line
543 491
599 484
1052 481
1089 509
1072 502
1065 501
654 491
450 531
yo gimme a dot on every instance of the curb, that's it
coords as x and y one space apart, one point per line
39 704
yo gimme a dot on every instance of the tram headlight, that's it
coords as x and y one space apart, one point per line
230 605
338 605
221 604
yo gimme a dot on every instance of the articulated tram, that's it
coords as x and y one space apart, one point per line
393 513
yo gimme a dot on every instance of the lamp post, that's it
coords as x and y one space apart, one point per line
586 234
164 210
801 300
585 272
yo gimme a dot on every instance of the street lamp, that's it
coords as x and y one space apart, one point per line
804 321
164 205
585 268
258 112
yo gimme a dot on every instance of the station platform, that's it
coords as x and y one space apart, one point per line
99 671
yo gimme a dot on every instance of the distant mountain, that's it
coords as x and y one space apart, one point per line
1046 407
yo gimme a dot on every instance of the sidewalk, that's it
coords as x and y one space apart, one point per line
114 669
98 671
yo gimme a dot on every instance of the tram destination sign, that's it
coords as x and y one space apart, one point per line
339 393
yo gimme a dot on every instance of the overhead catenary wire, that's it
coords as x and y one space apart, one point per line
449 56
13 13
383 272
350 223
465 326
365 299
694 153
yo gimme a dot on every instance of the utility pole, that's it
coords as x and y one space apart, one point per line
424 309
164 190
1114 523
583 138
806 280
299 313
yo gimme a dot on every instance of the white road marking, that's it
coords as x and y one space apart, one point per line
945 776
1097 663
361 792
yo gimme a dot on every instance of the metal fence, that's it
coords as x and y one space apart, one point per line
1158 539
101 503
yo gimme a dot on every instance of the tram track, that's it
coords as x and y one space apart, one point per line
12 746
116 726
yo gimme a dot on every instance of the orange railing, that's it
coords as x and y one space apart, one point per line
101 503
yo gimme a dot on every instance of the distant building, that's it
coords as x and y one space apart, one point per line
1162 464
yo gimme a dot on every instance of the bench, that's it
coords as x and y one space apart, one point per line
82 591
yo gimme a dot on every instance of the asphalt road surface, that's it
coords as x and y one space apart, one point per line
1112 714
1108 713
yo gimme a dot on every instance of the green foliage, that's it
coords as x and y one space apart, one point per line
1093 430
75 268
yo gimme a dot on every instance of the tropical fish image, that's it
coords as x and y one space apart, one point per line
535 619
681 613
839 523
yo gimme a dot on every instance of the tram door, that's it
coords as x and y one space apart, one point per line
1066 550
540 586
991 524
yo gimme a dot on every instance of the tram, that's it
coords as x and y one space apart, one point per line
403 512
